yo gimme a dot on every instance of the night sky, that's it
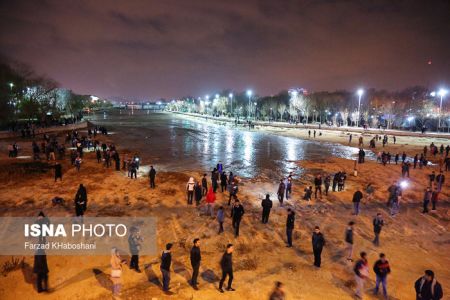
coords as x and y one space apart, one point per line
166 48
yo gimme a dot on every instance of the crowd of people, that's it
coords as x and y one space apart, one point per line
204 190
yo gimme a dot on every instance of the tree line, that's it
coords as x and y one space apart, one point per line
26 96
410 108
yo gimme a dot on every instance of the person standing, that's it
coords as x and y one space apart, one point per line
220 218
78 163
327 182
204 185
152 176
290 226
80 201
280 192
428 288
278 292
267 206
58 171
196 257
434 198
40 268
440 179
223 181
357 196
134 243
166 261
226 263
381 269
426 199
318 242
116 271
236 213
318 186
190 187
361 270
198 193
210 199
378 224
349 240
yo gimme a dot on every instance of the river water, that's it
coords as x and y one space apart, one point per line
172 142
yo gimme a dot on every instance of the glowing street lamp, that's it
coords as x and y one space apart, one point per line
249 94
360 92
441 93
11 85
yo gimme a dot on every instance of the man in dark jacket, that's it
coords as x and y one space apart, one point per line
381 269
80 201
267 206
318 241
290 226
428 288
280 192
236 213
152 175
378 224
40 267
196 257
226 263
440 179
166 261
357 196
318 186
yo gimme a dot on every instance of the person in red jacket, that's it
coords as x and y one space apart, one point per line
210 199
434 198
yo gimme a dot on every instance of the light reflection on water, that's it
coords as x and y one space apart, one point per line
175 143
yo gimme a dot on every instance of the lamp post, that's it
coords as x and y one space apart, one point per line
231 103
249 94
442 93
360 92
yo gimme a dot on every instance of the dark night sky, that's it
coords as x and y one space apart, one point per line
168 48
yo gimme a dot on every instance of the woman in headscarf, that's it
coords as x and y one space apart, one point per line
116 271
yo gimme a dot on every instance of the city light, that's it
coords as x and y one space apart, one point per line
360 92
249 93
442 92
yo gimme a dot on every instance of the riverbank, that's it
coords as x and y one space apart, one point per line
411 142
412 241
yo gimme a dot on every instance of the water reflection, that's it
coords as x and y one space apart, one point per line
179 144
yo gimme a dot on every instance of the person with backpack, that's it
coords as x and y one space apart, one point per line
361 270
378 224
381 269
190 187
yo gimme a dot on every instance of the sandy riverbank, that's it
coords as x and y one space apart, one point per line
411 241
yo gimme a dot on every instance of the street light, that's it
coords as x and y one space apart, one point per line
441 93
360 92
249 94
